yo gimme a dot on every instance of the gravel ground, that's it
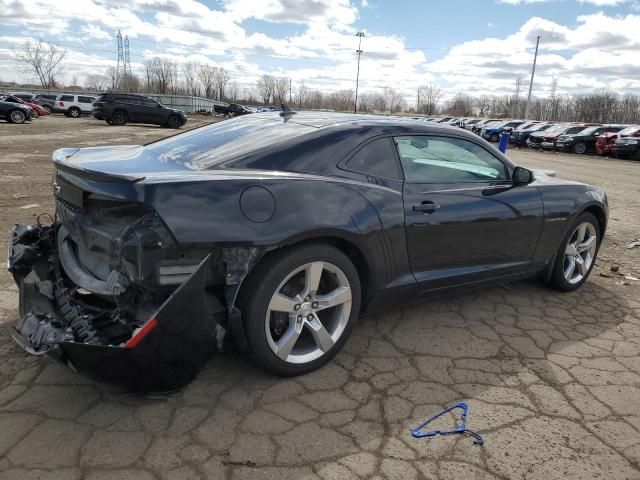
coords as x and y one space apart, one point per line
552 380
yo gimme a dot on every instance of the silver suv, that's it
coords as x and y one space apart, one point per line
74 105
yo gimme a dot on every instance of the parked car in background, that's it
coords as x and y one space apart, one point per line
14 112
123 108
74 105
492 132
36 110
47 101
26 96
467 124
520 135
547 140
605 141
477 128
628 147
584 141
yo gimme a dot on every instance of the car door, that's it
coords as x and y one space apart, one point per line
465 220
152 111
85 103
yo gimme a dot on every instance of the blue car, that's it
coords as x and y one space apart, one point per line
492 132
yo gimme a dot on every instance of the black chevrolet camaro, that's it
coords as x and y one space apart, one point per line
277 231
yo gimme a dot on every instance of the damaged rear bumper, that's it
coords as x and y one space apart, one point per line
162 351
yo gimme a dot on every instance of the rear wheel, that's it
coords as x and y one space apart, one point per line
580 148
34 113
174 122
74 112
299 307
17 116
47 109
119 118
576 255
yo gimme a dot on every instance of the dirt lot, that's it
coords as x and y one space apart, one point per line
552 380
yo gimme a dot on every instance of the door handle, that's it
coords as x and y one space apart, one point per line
426 207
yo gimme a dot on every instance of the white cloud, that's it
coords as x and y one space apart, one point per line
599 50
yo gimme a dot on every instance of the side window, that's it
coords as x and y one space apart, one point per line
377 159
133 100
82 99
432 159
66 98
147 102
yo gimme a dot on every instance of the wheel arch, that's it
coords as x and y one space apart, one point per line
345 245
598 212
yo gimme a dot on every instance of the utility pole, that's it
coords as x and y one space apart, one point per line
359 52
418 102
533 72
289 90
120 65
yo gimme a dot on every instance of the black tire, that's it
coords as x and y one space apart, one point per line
34 113
17 116
580 148
261 285
174 122
119 118
557 280
494 138
47 109
74 112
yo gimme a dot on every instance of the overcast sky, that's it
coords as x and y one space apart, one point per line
476 46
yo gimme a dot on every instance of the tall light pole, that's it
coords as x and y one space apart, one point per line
533 72
359 52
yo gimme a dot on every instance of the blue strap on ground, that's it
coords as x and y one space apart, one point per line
459 428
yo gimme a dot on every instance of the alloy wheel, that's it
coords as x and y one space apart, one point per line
34 114
580 253
580 148
308 312
17 116
74 112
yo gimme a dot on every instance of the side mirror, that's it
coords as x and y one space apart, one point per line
522 176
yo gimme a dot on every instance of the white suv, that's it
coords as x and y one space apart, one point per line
74 105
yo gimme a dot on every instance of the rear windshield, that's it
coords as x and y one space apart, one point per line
205 147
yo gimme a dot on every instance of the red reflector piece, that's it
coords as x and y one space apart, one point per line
140 334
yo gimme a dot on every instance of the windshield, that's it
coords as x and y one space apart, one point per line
629 130
556 129
589 131
494 123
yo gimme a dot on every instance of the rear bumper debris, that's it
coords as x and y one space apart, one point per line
159 350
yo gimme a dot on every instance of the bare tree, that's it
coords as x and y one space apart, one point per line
220 80
162 75
394 101
233 90
341 100
190 74
302 93
460 105
266 88
207 74
430 95
97 83
280 90
42 58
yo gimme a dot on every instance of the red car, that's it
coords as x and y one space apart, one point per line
604 142
36 109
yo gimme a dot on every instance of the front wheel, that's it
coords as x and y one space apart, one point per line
17 116
119 118
576 255
580 148
299 307
174 122
47 109
34 114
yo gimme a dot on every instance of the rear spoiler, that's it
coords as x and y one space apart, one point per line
59 160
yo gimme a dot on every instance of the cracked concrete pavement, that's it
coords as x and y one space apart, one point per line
552 380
